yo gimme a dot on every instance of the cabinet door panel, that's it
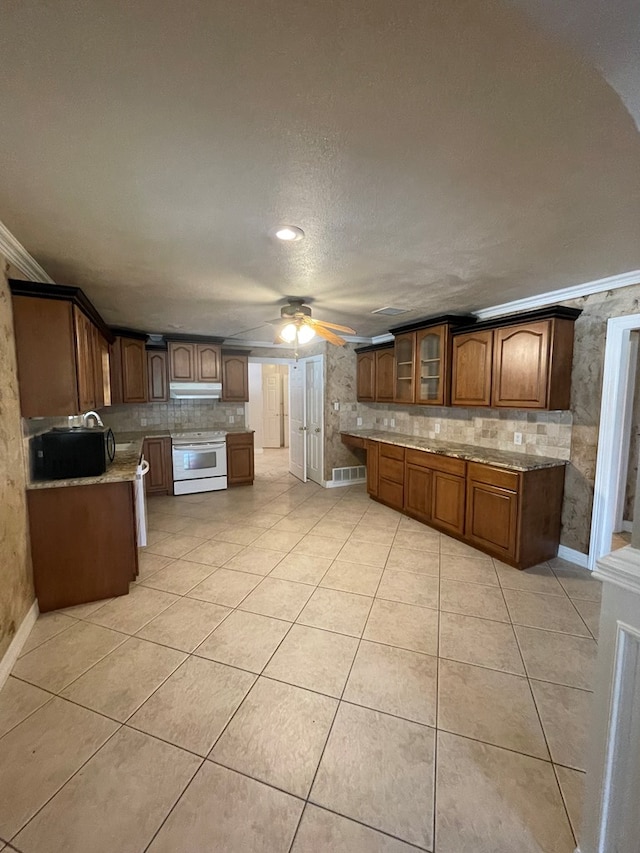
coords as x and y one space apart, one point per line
159 479
208 363
384 371
85 365
182 362
101 370
405 353
391 469
372 467
240 459
235 378
492 516
417 492
134 370
447 508
157 376
366 377
471 370
520 366
432 366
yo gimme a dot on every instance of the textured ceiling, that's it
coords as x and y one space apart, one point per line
440 156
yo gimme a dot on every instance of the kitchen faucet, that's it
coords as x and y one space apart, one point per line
95 416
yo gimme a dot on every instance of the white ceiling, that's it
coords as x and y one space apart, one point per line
440 156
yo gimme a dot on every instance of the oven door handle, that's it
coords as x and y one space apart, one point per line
197 448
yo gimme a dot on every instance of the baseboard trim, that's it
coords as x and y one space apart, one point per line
572 556
335 484
13 652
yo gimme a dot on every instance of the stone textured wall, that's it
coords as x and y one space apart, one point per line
16 581
175 414
586 394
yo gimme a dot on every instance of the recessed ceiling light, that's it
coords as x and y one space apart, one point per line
288 233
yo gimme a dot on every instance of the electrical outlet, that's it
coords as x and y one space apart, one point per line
436 428
517 438
358 421
393 422
232 419
385 422
336 406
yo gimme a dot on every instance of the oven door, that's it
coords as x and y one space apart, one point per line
199 461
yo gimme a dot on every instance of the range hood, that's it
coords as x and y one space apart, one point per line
195 390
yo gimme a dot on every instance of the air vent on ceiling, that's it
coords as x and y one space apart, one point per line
390 312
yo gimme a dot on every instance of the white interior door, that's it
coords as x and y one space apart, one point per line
314 393
297 422
272 407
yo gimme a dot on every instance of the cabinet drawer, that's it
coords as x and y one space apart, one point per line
391 493
391 469
391 451
437 462
494 476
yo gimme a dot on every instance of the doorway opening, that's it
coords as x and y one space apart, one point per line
286 412
617 457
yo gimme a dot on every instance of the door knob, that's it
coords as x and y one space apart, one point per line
317 429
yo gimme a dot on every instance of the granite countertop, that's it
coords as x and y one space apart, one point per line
469 452
122 468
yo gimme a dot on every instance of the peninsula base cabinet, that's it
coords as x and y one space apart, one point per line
512 515
159 478
83 543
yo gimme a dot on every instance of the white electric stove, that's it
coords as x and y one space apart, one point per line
199 461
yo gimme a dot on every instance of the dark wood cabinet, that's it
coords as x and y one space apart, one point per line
375 375
432 354
417 491
366 377
83 543
129 370
157 376
405 356
532 365
194 362
240 469
385 373
159 478
235 378
61 350
472 368
372 448
510 514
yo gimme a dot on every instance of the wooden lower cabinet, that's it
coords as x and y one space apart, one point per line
372 448
239 458
159 479
83 543
511 515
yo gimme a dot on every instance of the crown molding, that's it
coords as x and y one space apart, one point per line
18 256
613 282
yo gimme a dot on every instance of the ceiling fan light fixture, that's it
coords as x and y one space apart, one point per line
288 333
298 333
305 334
288 233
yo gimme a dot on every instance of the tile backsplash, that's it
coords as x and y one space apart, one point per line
175 414
543 433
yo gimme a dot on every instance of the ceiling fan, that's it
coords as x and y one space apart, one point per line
296 325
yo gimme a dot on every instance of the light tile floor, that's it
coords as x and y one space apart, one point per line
303 670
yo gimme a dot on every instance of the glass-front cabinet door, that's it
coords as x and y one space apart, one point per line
431 366
405 367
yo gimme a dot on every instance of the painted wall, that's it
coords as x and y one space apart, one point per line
16 580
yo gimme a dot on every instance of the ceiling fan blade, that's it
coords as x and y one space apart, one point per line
327 335
346 329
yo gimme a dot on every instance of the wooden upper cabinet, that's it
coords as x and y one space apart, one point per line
366 377
385 372
84 360
432 366
193 362
472 368
101 370
157 376
532 365
182 362
235 378
208 359
134 370
405 354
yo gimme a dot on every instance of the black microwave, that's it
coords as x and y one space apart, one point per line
69 452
